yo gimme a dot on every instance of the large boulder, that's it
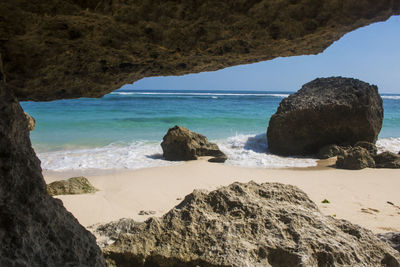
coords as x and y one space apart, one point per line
326 111
244 225
387 160
182 144
356 158
71 186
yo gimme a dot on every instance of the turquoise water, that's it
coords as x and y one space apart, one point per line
129 125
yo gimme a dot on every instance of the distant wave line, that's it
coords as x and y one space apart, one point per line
199 94
395 97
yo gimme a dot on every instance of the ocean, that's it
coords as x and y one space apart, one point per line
124 129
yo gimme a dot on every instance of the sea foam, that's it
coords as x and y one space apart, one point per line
114 156
242 150
252 151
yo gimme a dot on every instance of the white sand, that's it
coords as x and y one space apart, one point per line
124 193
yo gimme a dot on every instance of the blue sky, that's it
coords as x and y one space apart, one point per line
371 54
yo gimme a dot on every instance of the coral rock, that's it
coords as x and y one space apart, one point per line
244 225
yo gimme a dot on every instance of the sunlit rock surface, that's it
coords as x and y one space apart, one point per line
244 225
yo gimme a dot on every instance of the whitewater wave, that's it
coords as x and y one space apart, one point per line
200 94
114 156
388 144
393 97
242 150
252 151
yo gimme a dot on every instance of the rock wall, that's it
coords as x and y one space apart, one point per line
68 48
35 229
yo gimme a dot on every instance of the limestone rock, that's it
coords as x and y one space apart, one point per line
68 48
244 225
31 121
35 229
392 238
370 147
356 158
330 151
326 111
387 160
71 186
182 144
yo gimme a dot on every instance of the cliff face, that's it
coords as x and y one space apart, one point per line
35 229
67 48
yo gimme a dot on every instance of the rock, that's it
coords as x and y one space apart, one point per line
31 121
387 160
392 238
147 212
35 229
182 144
71 186
356 158
370 147
67 49
326 111
330 151
219 159
244 225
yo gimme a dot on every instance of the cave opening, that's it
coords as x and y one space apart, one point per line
65 49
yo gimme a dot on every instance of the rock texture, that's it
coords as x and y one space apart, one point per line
35 229
392 238
31 121
370 147
68 48
356 158
182 144
387 160
326 111
71 186
244 225
330 151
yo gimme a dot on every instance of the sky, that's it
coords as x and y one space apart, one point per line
371 54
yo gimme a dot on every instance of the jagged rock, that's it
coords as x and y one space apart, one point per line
356 158
370 147
244 225
326 111
71 186
182 144
67 48
35 229
330 151
392 238
387 160
31 121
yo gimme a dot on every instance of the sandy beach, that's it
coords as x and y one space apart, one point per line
358 196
